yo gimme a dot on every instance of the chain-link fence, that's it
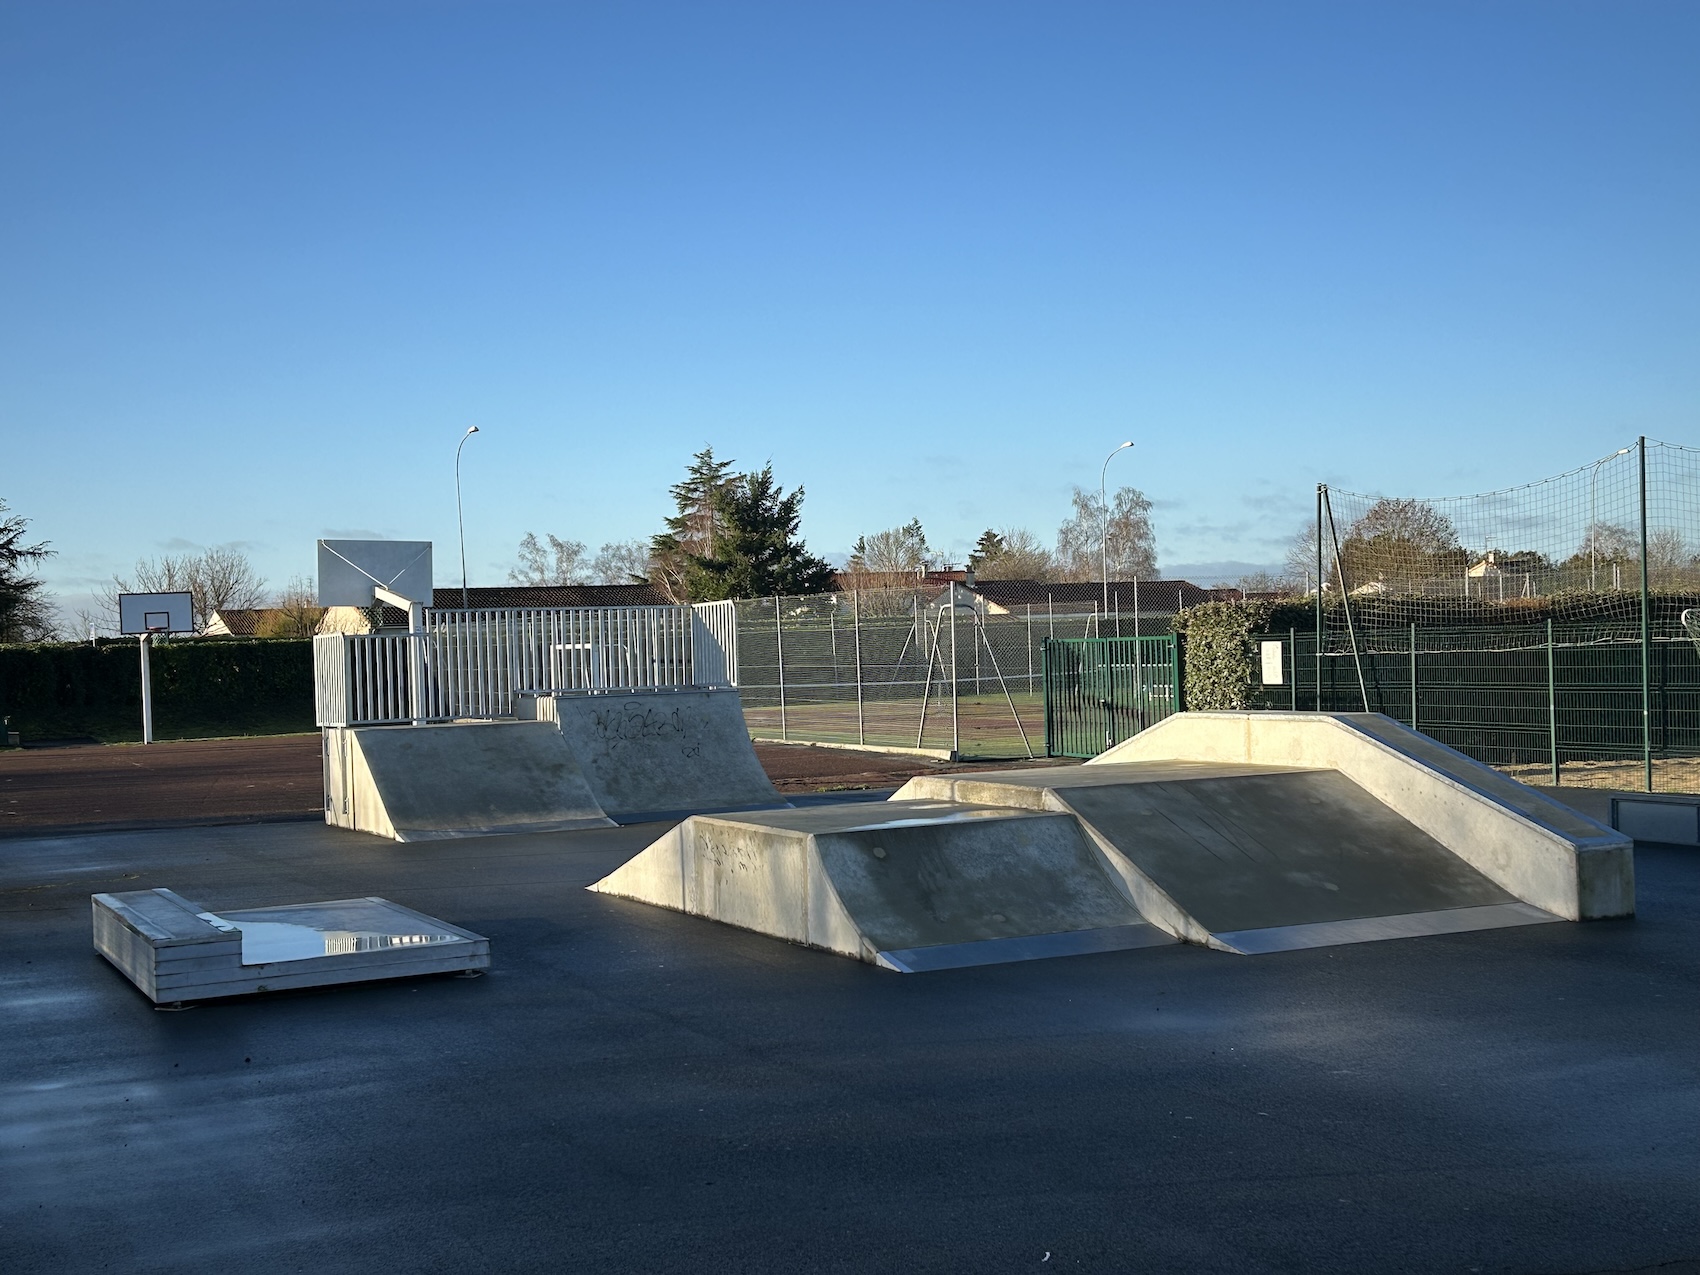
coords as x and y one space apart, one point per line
1546 629
934 669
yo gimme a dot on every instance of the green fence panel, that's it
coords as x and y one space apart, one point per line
1100 691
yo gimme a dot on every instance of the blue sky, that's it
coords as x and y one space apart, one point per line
262 263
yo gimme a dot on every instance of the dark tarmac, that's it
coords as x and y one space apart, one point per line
635 1090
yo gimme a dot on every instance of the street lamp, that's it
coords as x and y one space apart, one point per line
1104 540
1593 516
460 518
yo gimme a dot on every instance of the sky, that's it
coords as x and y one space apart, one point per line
262 264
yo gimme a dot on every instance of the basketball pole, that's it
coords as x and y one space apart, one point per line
145 640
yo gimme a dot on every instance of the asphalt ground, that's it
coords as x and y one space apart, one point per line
262 778
636 1090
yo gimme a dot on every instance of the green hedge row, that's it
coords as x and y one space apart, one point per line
201 687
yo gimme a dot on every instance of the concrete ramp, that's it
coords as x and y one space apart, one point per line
907 885
660 754
1536 848
1273 847
466 779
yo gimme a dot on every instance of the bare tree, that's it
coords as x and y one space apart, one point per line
1131 545
895 551
217 579
561 562
621 562
295 614
1301 557
1014 553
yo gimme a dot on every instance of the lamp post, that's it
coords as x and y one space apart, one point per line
460 518
1104 564
1593 515
1104 539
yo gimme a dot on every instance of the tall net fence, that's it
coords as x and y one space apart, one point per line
933 669
1549 629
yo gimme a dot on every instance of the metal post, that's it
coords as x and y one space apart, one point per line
779 646
1552 707
1413 677
1029 648
1646 632
1293 676
856 626
955 717
416 663
1346 605
1320 488
144 640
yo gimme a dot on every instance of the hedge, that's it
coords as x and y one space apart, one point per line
201 687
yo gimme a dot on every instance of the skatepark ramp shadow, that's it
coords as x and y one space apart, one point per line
1247 833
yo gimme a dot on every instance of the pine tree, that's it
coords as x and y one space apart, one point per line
988 548
755 550
25 612
690 532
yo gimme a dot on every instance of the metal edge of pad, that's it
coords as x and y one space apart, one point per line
1026 947
1369 929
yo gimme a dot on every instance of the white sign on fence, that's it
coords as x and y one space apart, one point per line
1274 674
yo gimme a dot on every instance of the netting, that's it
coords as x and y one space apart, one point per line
934 669
1545 629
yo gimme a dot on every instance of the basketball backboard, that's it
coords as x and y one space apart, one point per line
350 569
155 613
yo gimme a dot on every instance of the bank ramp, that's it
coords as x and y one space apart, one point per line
907 885
464 779
1264 832
660 754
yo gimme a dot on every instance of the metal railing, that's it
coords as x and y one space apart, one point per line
475 663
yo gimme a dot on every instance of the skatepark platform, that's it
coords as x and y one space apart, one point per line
463 779
576 760
909 885
176 952
1247 833
659 754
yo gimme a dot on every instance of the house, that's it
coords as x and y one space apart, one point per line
259 622
500 597
1039 597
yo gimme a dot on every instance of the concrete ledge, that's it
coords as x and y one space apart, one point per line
1537 849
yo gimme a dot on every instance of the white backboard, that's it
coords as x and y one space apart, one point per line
350 569
155 613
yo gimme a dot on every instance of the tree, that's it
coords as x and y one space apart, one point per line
26 612
754 547
1014 553
621 562
691 531
1399 543
217 579
1301 558
562 562
1131 545
895 551
296 613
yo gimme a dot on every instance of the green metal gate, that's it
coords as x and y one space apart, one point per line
1097 695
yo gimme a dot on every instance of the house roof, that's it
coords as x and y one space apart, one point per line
238 621
505 596
1154 595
